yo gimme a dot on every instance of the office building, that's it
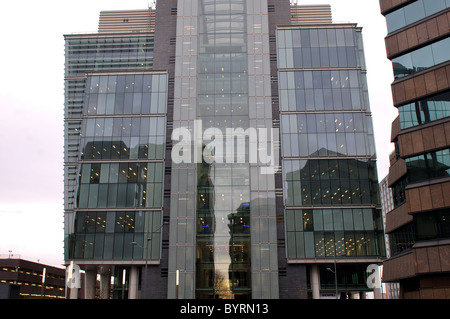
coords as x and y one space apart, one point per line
331 198
418 44
216 150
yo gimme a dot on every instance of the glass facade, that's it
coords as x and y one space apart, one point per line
121 166
319 233
223 193
108 235
223 229
224 240
414 12
97 53
327 134
319 48
330 182
323 90
127 184
96 139
327 145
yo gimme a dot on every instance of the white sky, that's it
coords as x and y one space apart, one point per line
32 102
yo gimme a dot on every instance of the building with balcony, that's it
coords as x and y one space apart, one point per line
418 226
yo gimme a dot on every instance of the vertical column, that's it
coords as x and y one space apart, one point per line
182 214
377 293
105 282
315 281
262 173
134 283
90 281
73 293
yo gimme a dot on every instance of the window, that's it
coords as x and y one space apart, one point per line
329 232
428 166
121 53
120 185
109 235
414 12
423 111
318 48
402 239
330 134
322 90
329 182
123 138
398 192
126 94
421 59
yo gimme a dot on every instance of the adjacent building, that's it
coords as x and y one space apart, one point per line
387 205
221 149
418 45
24 279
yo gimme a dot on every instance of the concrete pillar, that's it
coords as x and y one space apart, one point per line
73 292
90 282
105 282
377 294
134 283
315 281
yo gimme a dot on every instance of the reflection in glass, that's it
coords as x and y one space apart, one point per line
223 195
427 110
323 182
428 166
421 59
414 12
334 235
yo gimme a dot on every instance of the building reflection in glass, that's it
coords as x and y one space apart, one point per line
352 227
223 236
223 192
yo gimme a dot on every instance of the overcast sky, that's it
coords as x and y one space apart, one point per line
32 103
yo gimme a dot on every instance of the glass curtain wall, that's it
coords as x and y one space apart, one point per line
329 161
223 195
91 137
121 167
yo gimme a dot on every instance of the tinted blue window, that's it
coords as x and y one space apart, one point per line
421 59
414 12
